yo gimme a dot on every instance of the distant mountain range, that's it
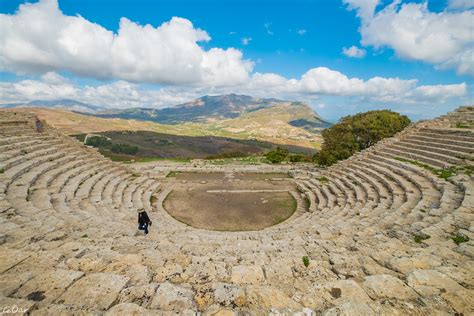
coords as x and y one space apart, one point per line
210 109
207 109
67 104
198 111
232 116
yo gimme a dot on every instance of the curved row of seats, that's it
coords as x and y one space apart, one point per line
385 188
363 215
49 177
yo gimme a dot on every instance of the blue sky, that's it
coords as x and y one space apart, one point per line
286 38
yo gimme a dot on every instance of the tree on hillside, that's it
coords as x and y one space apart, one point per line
98 142
124 149
358 132
277 156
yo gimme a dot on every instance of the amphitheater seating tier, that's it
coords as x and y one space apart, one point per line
379 231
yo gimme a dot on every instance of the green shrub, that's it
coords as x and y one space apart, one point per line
419 238
277 156
441 173
358 132
298 158
459 239
306 261
322 179
462 125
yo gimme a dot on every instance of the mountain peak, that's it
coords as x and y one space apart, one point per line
212 108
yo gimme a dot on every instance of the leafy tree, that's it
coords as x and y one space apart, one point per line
98 142
124 149
277 156
358 132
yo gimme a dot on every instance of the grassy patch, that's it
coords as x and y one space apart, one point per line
2 170
279 220
249 160
306 261
289 204
322 179
459 239
115 157
419 238
153 199
441 173
463 125
469 170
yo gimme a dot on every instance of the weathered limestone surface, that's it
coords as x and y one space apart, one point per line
431 282
172 297
46 287
247 275
384 235
95 291
387 286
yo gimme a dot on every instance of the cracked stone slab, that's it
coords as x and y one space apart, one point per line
335 293
94 291
129 309
62 310
46 287
462 301
11 258
247 275
10 282
269 297
172 297
350 308
432 282
386 286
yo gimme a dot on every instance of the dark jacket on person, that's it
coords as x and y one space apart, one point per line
143 218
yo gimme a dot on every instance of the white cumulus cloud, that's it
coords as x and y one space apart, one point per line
40 38
354 52
246 40
40 42
460 4
316 82
365 8
445 39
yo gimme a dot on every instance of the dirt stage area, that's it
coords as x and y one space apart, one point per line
231 202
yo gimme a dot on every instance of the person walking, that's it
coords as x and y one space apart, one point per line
39 126
143 221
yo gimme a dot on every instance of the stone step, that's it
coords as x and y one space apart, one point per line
426 153
395 153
